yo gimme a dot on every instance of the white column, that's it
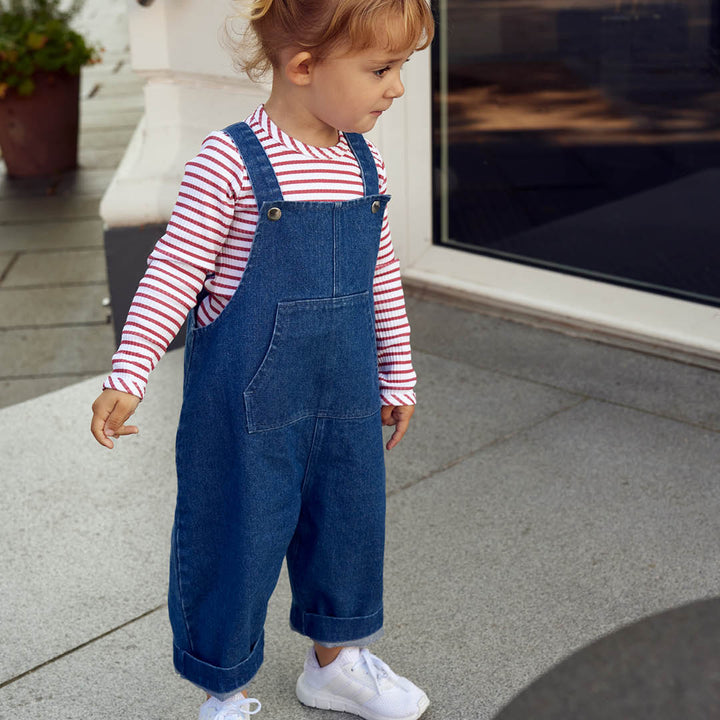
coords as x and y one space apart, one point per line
191 89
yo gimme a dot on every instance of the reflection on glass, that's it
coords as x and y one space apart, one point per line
583 136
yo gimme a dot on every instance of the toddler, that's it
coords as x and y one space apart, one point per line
297 353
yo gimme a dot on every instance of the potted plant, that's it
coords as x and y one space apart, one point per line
40 61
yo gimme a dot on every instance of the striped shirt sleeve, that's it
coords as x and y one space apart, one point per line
396 372
178 265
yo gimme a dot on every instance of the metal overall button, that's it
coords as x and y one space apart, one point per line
274 213
375 206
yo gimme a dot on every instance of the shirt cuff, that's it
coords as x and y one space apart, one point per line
125 383
397 397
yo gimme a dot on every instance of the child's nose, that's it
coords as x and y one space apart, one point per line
396 89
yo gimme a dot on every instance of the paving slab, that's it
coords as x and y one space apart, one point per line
17 390
57 267
6 259
104 81
41 307
103 138
106 101
113 72
574 364
120 118
533 548
29 353
132 669
126 675
51 235
93 525
27 210
448 425
100 157
88 181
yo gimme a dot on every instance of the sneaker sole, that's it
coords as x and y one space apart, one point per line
326 701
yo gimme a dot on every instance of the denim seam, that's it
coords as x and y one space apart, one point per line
189 348
321 415
305 615
334 251
311 454
181 595
313 446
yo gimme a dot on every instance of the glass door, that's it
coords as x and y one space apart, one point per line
582 136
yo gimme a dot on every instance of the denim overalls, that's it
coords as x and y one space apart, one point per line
279 447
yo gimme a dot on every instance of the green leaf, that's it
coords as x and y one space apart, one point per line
36 41
35 35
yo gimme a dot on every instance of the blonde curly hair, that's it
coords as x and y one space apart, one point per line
322 26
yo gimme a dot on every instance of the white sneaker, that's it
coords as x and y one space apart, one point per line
235 708
358 682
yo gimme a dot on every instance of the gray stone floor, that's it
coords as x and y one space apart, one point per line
551 490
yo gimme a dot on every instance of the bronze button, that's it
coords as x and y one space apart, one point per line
376 206
274 213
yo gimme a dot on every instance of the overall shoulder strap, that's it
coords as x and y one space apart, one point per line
365 159
262 176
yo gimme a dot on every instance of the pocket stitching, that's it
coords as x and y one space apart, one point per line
284 312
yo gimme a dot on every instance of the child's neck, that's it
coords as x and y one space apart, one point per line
293 118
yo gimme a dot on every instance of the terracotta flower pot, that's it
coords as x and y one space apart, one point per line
39 133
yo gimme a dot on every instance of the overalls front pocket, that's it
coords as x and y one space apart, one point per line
321 362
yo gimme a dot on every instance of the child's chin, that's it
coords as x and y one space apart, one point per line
366 125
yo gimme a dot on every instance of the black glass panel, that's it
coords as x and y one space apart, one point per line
583 137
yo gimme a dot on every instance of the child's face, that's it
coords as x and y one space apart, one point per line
350 91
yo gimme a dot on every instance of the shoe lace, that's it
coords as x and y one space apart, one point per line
238 709
375 667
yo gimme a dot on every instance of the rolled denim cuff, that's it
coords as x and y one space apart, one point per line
219 681
334 631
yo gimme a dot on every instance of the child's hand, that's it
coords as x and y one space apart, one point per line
399 416
110 413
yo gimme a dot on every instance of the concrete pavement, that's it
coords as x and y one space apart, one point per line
551 491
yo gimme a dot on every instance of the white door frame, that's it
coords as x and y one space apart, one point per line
610 312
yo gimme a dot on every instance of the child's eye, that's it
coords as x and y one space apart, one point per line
380 73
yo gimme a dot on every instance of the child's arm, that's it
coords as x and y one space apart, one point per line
179 264
111 411
396 374
177 268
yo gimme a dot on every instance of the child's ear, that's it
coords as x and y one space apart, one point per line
299 68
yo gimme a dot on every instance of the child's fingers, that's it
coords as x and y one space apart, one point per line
386 415
96 428
110 412
398 416
125 430
120 414
400 429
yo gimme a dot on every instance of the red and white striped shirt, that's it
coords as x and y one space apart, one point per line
208 240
